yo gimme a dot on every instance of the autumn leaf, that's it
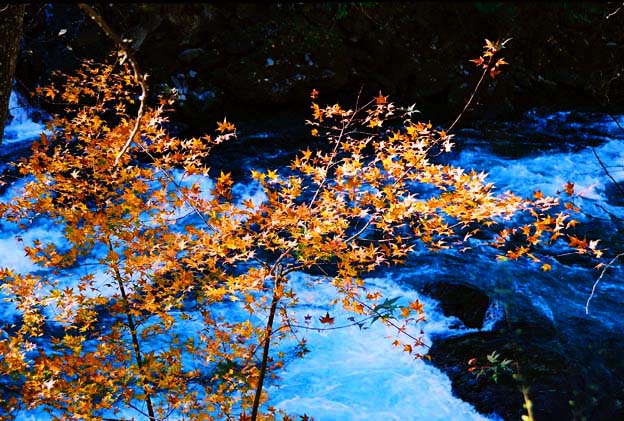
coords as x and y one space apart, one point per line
381 99
417 306
569 188
501 62
546 267
489 45
478 61
50 93
327 319
316 112
225 126
314 94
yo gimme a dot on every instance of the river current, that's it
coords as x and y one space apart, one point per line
353 374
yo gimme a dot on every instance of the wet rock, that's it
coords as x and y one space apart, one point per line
569 368
191 54
464 301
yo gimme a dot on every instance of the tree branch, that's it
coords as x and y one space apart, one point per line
604 168
604 269
139 78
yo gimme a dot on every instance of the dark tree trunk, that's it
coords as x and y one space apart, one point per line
11 18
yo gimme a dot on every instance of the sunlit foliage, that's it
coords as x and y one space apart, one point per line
146 327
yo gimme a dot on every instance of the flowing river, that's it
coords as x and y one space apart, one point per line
355 374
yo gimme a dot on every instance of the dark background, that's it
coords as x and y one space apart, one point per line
241 58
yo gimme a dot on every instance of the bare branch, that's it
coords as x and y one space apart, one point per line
602 272
614 13
607 171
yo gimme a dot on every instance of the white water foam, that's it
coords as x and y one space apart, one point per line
21 129
356 375
550 171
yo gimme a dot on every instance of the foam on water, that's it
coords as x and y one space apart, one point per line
21 128
353 374
550 171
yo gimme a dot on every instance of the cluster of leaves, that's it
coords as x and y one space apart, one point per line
486 60
493 369
146 328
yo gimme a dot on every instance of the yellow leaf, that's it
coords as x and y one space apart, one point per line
225 126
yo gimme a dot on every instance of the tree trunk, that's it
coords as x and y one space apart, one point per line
11 18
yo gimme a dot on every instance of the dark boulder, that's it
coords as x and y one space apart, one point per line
570 369
464 301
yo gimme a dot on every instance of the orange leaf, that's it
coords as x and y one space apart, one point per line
225 126
380 100
478 61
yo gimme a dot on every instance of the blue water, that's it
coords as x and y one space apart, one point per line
354 374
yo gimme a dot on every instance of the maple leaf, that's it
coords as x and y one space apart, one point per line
225 178
489 45
569 188
219 257
225 126
381 99
417 306
478 61
316 112
546 267
327 319
500 62
50 93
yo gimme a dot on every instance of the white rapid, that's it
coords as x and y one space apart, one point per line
21 129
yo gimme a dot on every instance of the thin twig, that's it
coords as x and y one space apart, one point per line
322 329
614 13
474 92
604 269
604 168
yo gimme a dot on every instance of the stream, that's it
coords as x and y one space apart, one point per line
355 374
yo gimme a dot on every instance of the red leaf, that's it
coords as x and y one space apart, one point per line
327 319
